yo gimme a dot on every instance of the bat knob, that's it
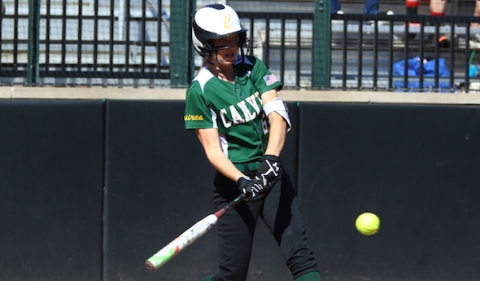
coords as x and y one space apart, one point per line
150 266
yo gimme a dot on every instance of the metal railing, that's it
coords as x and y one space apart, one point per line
93 42
365 49
86 42
284 43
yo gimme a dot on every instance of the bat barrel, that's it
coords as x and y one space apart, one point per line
188 237
181 242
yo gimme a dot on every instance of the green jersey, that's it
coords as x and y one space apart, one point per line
234 109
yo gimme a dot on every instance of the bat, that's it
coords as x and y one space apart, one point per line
188 237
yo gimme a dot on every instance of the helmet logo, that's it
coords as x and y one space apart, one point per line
227 23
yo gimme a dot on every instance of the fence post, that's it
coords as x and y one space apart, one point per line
181 53
321 45
33 42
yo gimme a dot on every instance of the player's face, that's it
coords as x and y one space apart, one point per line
227 48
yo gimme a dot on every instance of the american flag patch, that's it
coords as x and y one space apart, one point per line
270 79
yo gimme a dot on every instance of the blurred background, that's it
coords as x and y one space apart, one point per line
147 43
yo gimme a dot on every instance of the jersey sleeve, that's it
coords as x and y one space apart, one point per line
264 79
198 114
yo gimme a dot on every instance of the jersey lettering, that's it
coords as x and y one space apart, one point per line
236 117
226 123
252 101
244 116
191 117
248 115
265 124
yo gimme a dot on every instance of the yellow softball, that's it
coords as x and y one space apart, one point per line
368 223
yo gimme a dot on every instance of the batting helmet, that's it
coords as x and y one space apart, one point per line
213 22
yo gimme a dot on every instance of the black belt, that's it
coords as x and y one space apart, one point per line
248 166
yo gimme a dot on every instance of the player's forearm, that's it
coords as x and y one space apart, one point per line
277 134
210 141
222 164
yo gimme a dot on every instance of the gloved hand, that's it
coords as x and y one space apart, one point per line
270 170
249 187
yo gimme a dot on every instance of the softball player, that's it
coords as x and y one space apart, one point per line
241 122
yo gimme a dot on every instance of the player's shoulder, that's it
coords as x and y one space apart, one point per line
201 81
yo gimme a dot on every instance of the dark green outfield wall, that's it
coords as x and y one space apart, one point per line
417 167
90 189
51 182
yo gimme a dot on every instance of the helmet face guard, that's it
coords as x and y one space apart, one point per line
214 22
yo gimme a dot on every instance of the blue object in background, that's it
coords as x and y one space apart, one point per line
413 70
370 8
473 70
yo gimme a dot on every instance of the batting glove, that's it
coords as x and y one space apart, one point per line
270 170
251 188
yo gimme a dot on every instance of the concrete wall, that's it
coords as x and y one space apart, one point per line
90 188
